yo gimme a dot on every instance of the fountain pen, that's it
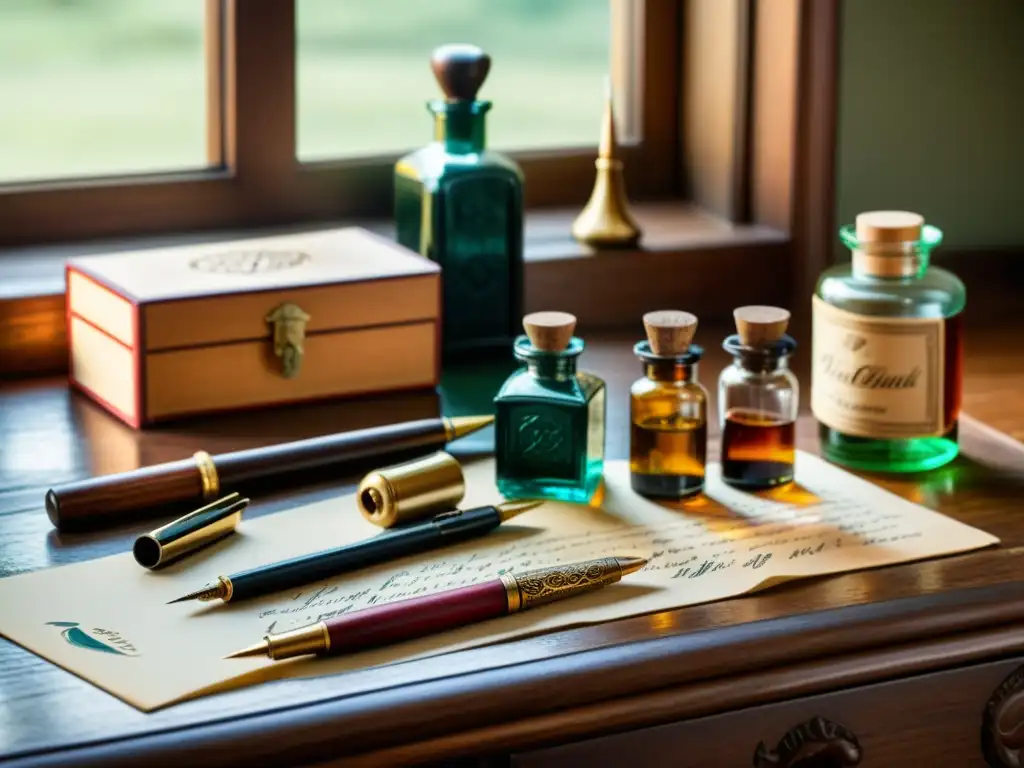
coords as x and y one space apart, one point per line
419 616
440 531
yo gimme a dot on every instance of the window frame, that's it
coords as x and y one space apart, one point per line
747 136
256 179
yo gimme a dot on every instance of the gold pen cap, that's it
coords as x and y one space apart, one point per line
189 533
413 490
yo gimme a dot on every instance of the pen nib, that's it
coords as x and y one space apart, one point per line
510 509
629 565
460 426
209 592
260 649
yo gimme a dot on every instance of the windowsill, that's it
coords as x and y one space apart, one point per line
724 264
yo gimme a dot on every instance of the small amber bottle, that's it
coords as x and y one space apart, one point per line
758 399
668 410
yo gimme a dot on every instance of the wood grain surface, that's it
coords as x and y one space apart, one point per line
804 639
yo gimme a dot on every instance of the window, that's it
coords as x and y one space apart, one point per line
101 87
125 118
364 72
247 112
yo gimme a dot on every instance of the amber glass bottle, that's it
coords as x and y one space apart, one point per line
668 410
758 399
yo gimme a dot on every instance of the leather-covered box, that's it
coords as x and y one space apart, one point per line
166 333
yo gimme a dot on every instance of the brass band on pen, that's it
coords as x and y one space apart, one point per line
207 474
311 639
221 589
515 600
227 588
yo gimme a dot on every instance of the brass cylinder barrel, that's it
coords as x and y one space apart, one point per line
413 490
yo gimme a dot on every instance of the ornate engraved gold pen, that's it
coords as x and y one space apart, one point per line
431 614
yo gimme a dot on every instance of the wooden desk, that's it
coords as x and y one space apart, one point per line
904 657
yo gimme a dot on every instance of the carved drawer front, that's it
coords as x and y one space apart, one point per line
961 718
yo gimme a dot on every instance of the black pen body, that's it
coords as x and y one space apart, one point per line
445 529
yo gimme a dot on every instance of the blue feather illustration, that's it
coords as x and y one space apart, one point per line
80 639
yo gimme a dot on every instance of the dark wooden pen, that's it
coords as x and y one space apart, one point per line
101 500
440 531
431 614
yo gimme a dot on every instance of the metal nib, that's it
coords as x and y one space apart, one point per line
630 564
460 426
209 592
260 649
510 509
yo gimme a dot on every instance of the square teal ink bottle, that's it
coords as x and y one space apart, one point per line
460 204
550 418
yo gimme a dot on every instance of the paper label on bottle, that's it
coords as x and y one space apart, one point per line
879 377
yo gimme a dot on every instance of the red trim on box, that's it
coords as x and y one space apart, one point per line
67 322
96 328
135 422
138 361
110 407
104 282
284 403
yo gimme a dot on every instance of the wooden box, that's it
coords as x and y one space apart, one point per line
160 334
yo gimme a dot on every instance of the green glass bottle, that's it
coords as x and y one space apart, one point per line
550 417
887 352
461 205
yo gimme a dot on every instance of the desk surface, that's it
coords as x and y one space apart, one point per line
490 700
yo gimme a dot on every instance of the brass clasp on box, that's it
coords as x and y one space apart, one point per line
289 323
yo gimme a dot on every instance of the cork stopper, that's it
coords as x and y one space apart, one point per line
460 70
758 325
889 227
670 331
549 331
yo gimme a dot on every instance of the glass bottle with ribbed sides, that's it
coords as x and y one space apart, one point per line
887 368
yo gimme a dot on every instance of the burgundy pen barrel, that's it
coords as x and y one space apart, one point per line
417 617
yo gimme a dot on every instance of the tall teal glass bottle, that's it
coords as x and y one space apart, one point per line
461 205
550 417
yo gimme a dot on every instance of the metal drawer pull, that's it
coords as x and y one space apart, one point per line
1002 724
817 743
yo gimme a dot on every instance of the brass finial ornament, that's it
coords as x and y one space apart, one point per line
605 221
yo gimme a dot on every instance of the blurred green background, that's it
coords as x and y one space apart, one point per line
93 87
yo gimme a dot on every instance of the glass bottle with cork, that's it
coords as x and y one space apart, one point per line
461 205
668 410
887 355
550 418
758 401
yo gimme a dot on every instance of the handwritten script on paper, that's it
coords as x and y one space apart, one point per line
721 544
